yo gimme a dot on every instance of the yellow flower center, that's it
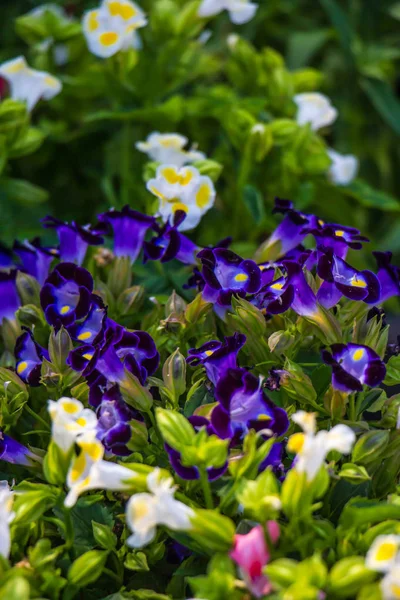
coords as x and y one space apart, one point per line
386 551
203 196
241 277
70 408
65 309
108 38
358 354
88 356
141 509
85 335
21 367
93 22
358 283
208 352
179 206
78 467
277 286
339 233
296 442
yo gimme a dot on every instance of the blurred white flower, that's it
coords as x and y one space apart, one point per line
88 471
390 584
113 27
70 420
383 553
316 109
169 148
311 447
29 85
182 190
240 11
147 510
343 169
6 516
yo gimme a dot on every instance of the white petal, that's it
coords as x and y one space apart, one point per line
241 12
209 8
383 553
340 438
343 169
306 421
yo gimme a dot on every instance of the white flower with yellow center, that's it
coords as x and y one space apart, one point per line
182 189
29 85
88 471
113 27
390 584
383 553
311 447
6 516
70 420
343 169
315 109
147 510
169 148
240 11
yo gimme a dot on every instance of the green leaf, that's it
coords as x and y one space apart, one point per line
87 568
392 371
22 191
254 201
384 100
303 45
104 536
370 197
175 428
341 24
136 561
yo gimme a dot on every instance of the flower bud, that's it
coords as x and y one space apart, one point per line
212 531
30 315
197 309
297 384
56 464
130 300
28 289
370 446
60 345
260 141
238 124
175 428
354 474
280 341
210 168
348 575
281 572
174 374
175 311
250 317
120 276
271 59
10 331
335 402
134 393
87 568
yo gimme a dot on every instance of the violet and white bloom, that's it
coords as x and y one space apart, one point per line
312 447
88 471
343 169
147 510
113 27
69 421
184 190
315 109
240 11
383 553
29 85
354 365
6 516
169 149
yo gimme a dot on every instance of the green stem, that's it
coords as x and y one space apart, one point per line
352 408
69 529
205 484
36 416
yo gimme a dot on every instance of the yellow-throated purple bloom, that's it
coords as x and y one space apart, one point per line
217 357
337 237
191 473
113 425
171 243
388 276
91 330
74 239
277 295
15 453
29 356
348 281
9 299
304 302
242 405
225 274
129 228
66 295
35 259
353 366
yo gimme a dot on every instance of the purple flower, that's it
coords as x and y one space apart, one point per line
35 259
337 237
242 405
274 459
6 256
276 296
191 473
304 302
225 273
217 356
171 243
388 275
91 330
9 299
353 366
15 453
129 228
348 281
290 232
29 355
74 239
114 416
66 295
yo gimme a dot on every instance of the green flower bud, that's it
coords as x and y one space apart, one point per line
212 531
282 572
10 331
87 568
60 345
13 118
175 428
30 315
174 374
260 141
299 591
130 301
120 276
390 412
134 393
392 371
280 341
283 131
149 171
15 588
271 59
238 124
197 309
348 575
297 384
354 474
335 402
370 446
56 464
28 289
103 536
211 168
250 318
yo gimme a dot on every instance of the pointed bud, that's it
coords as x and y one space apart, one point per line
120 276
60 345
348 575
174 374
135 394
130 300
28 289
280 341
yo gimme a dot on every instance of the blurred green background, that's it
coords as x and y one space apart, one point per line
88 160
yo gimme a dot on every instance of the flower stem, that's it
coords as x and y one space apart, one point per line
205 484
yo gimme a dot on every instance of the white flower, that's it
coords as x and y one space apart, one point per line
184 190
147 510
168 148
88 471
29 85
315 109
70 420
383 553
240 11
311 447
390 584
6 516
343 169
113 27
